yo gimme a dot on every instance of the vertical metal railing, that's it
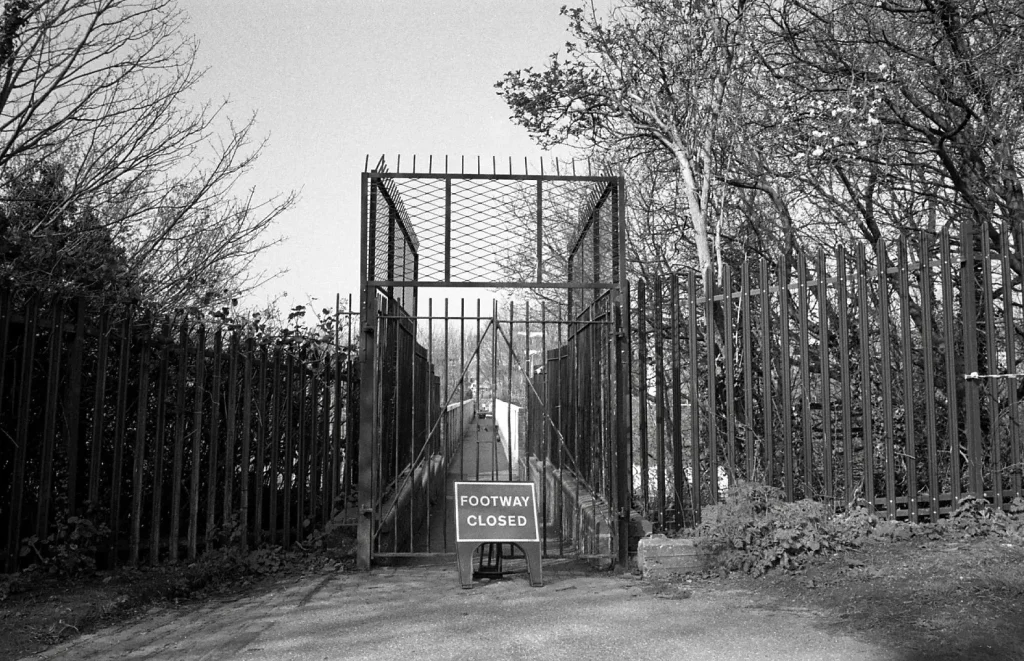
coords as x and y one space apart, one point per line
159 430
839 379
572 434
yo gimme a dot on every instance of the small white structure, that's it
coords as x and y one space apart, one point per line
506 420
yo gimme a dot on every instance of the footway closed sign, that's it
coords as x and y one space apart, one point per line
496 512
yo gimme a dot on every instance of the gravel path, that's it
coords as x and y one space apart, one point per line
421 613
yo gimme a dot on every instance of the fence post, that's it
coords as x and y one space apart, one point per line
73 404
179 442
711 355
24 402
367 420
623 402
885 366
678 481
139 450
991 366
729 373
766 374
50 418
659 394
197 442
244 476
158 443
120 430
972 386
623 379
641 346
99 396
231 430
803 339
213 447
367 384
691 317
5 325
786 375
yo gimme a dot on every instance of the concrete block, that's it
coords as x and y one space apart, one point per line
660 555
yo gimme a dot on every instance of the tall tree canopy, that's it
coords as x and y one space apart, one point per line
776 124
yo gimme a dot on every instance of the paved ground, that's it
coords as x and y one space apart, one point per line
482 457
421 613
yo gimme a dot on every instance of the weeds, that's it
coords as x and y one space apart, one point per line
756 530
70 550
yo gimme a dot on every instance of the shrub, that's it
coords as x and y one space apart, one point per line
976 517
70 550
755 529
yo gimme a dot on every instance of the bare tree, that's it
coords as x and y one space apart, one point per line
102 88
653 76
905 111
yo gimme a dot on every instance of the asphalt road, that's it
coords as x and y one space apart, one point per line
421 613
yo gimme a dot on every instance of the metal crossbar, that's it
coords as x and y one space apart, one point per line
507 231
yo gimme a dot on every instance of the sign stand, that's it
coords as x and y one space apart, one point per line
494 513
492 554
464 553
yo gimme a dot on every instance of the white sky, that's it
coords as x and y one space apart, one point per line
333 81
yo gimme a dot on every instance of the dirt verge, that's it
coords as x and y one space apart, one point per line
41 610
936 599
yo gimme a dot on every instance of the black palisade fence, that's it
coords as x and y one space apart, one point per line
888 375
166 436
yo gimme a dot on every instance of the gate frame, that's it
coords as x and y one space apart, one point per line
617 288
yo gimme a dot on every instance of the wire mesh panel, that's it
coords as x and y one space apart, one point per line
394 252
592 257
427 229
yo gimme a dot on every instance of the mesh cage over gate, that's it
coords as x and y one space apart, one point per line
490 230
558 235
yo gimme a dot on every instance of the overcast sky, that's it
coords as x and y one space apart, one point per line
333 81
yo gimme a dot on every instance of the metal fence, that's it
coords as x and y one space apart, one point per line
558 234
895 384
173 436
888 375
571 426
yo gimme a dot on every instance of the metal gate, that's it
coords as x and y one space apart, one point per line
534 387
